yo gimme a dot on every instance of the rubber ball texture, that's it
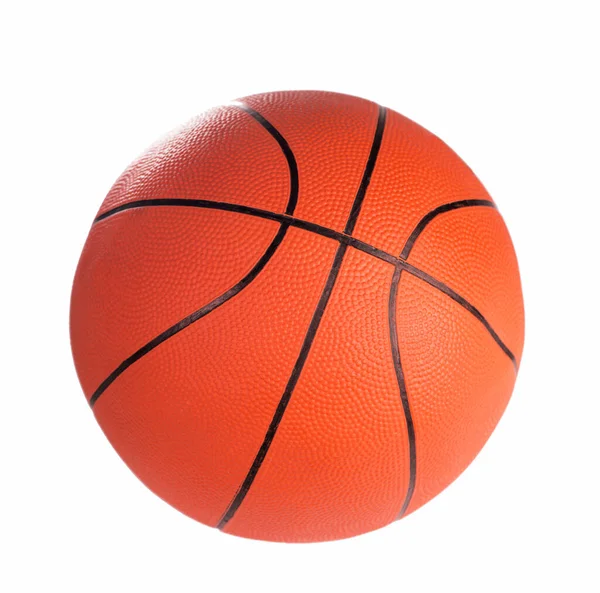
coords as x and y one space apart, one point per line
298 318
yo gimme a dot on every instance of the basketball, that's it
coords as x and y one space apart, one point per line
298 317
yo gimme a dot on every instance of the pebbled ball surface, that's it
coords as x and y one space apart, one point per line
269 374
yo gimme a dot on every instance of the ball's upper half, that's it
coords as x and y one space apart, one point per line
298 317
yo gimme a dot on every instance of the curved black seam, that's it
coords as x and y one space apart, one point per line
440 285
243 490
319 230
435 283
410 427
289 389
195 316
306 225
393 301
418 273
287 152
369 168
436 212
238 287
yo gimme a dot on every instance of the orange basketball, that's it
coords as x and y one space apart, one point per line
298 318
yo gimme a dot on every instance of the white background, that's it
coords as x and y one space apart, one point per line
511 86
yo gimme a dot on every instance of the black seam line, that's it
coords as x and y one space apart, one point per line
366 179
245 281
392 316
393 303
289 389
312 329
285 148
306 225
441 286
319 230
195 316
436 212
418 273
410 427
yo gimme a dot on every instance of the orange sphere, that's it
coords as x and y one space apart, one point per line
299 317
